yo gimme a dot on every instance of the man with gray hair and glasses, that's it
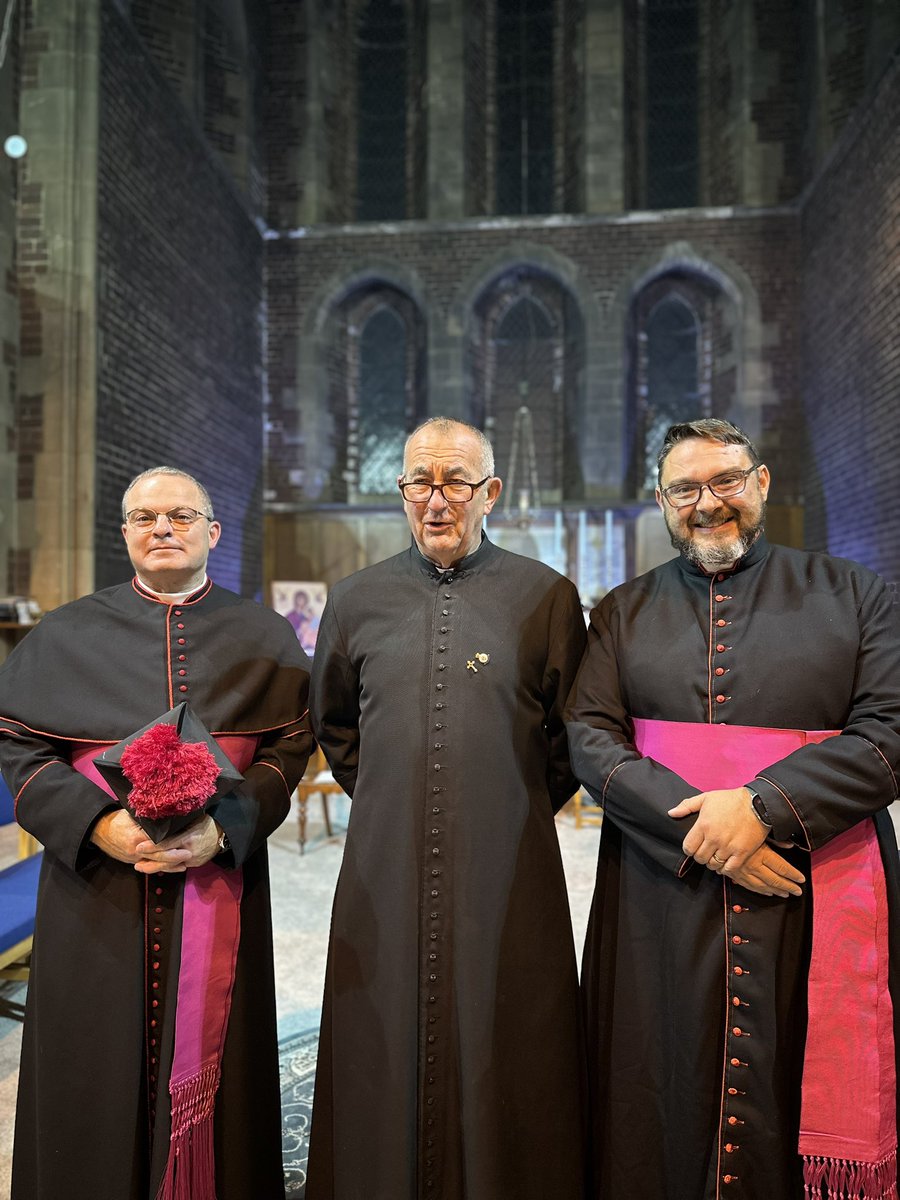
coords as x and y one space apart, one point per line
738 717
450 1061
149 1056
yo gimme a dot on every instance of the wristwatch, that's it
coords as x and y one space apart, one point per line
223 843
759 808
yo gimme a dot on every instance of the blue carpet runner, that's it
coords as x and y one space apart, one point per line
297 1059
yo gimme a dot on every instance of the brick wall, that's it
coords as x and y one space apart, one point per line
179 313
605 258
851 353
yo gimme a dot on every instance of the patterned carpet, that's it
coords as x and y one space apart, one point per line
297 1057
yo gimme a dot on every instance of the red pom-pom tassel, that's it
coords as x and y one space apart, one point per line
169 777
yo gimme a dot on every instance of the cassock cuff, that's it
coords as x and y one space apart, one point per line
786 825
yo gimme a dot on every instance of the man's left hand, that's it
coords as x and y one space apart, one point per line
192 847
726 831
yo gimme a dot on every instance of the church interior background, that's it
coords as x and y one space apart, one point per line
261 239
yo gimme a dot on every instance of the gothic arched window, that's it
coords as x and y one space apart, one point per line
374 356
382 403
681 364
525 362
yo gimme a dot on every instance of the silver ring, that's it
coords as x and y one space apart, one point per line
716 859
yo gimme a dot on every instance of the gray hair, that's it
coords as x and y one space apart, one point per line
148 474
447 427
713 430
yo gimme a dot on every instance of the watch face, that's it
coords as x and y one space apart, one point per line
759 808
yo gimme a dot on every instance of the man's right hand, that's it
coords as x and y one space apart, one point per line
117 834
768 874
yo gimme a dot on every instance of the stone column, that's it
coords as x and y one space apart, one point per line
446 111
57 281
604 133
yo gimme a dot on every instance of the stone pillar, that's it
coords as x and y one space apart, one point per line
323 122
446 109
57 281
604 135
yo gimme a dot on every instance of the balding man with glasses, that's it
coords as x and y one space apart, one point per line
738 717
450 1061
149 1055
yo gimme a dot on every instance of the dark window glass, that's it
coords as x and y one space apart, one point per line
671 34
382 53
524 82
382 402
672 374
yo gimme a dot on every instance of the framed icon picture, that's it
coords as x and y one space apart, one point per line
301 604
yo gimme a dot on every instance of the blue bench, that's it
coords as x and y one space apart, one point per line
18 900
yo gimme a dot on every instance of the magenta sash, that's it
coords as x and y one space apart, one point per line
848 1129
210 937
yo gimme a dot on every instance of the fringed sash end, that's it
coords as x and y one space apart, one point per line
190 1168
838 1178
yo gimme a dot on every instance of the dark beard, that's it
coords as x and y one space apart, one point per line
719 557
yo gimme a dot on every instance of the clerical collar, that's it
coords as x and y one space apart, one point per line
440 572
172 597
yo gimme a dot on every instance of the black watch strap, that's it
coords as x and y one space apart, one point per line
759 808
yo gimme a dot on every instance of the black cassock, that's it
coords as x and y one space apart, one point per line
788 639
98 1032
451 1060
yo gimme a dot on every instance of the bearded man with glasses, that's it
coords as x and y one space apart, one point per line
450 1061
738 717
149 1055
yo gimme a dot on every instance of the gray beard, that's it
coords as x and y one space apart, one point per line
717 557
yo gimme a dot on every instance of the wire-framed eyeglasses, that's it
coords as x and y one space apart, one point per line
454 492
180 518
723 487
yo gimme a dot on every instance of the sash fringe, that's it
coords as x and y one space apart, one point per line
190 1168
844 1179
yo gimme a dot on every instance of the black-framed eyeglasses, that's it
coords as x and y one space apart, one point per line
723 487
454 492
180 518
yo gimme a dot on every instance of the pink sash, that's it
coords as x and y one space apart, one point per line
848 1134
210 936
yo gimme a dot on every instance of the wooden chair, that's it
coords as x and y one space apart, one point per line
316 778
586 811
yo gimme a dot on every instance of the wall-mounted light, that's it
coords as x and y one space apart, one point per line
15 146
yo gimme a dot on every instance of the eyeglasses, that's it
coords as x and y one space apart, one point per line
179 518
724 486
455 492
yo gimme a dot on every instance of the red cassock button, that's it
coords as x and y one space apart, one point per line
182 671
736 908
720 670
183 688
719 598
735 1062
738 970
736 939
721 624
181 641
736 1002
720 699
180 626
720 647
737 1031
